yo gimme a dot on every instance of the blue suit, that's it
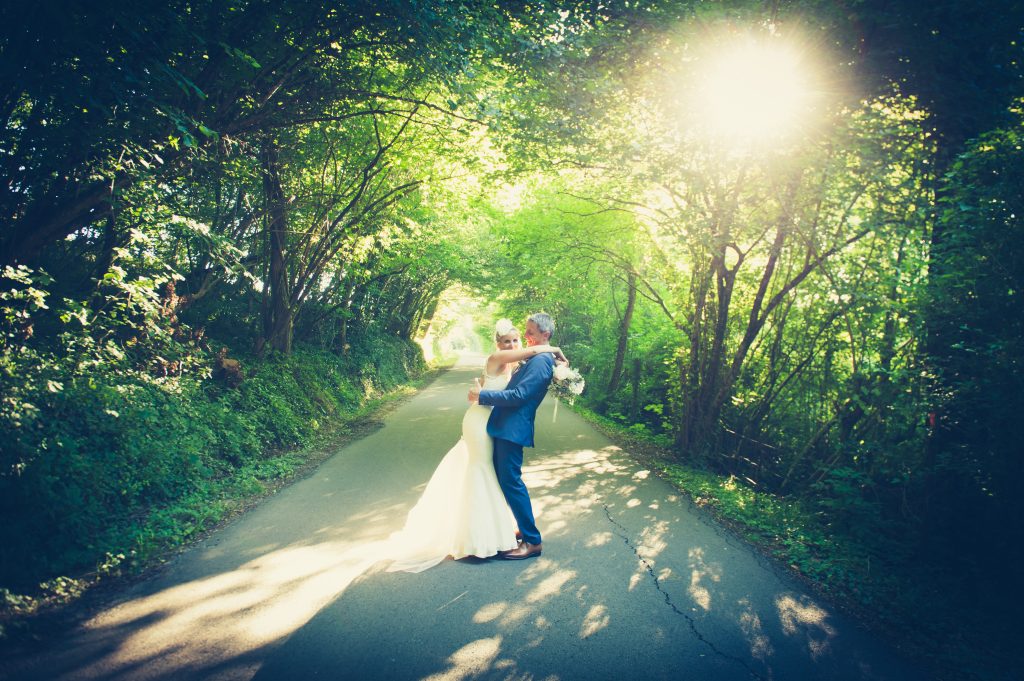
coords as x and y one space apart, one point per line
511 425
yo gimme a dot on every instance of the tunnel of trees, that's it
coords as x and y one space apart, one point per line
224 224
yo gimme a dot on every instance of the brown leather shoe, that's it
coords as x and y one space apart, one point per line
525 550
519 541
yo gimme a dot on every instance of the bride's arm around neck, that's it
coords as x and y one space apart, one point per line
497 361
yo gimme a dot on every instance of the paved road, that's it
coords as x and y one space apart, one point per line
634 583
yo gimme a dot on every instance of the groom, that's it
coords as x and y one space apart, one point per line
511 426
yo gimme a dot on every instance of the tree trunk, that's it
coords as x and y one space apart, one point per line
278 317
112 239
627 320
45 224
634 405
690 367
425 308
702 404
341 340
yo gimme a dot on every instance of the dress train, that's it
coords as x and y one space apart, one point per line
462 512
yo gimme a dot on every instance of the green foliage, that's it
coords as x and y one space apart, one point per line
835 321
978 314
564 255
194 186
97 99
974 475
117 463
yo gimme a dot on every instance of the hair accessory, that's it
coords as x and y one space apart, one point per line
503 327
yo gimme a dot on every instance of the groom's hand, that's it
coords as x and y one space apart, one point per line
474 392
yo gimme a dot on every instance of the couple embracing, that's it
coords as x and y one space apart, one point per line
476 503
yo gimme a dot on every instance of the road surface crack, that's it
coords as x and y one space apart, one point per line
624 535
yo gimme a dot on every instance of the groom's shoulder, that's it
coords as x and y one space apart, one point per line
543 358
546 360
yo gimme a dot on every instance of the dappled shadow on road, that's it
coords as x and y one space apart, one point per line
221 621
629 586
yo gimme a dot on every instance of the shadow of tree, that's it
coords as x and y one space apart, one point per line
634 582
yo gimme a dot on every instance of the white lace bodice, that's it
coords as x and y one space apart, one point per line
495 382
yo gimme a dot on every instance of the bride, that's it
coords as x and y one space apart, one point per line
462 511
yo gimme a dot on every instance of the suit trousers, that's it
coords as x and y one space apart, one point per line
508 465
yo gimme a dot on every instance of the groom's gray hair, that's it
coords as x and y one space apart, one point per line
544 322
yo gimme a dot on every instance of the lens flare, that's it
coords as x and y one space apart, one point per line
752 92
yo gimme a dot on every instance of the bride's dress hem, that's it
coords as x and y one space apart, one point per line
407 565
462 512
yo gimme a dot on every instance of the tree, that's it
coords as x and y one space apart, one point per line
96 99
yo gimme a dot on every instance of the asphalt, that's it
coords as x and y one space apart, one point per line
634 583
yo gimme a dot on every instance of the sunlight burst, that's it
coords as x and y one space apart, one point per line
753 92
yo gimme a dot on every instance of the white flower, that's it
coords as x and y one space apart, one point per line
567 382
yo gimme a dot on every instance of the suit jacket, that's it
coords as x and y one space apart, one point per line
515 407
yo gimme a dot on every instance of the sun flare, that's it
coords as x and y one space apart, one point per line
753 92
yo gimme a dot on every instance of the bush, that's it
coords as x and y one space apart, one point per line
102 465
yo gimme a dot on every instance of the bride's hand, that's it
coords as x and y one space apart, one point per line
554 350
559 355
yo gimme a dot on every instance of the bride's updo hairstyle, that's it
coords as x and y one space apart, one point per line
503 327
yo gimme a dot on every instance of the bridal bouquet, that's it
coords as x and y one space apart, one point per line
567 383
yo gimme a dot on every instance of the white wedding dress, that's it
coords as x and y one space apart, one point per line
462 511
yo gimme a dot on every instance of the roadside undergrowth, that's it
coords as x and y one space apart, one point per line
149 539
